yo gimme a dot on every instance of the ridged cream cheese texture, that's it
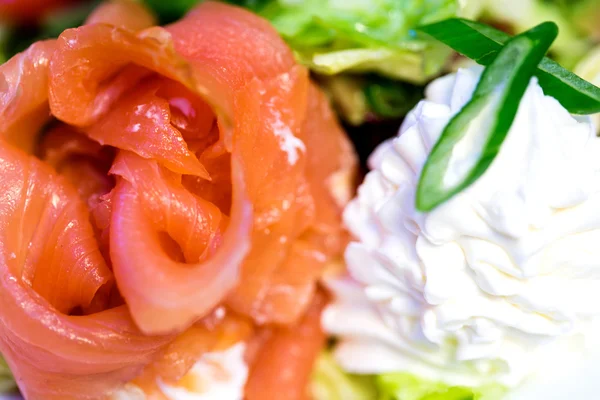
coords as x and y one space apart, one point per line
494 283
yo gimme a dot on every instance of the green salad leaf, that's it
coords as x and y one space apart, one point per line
391 99
7 382
585 14
589 67
518 15
14 39
332 36
171 10
369 97
329 382
481 43
54 23
404 386
483 123
4 39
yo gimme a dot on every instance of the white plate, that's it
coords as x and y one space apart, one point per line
570 380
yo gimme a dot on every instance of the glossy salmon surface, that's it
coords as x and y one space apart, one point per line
167 191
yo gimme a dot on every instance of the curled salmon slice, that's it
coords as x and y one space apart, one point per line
51 267
278 290
189 172
147 202
24 95
84 162
141 123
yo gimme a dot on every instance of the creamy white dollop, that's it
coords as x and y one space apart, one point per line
496 282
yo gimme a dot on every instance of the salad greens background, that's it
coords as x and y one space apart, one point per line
331 383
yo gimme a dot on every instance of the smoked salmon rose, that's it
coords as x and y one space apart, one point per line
166 192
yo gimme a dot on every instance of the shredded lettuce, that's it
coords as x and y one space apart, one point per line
329 382
4 37
54 23
403 386
589 69
171 10
7 382
334 36
346 93
585 15
519 15
369 98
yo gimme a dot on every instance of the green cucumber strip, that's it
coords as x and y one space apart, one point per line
483 123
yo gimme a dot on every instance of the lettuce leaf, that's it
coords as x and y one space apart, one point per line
7 382
4 37
334 36
369 98
404 386
519 15
329 382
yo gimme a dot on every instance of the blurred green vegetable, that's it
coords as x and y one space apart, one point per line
519 15
4 38
54 23
390 99
585 14
7 382
346 92
369 98
329 382
402 386
16 39
589 67
333 36
171 10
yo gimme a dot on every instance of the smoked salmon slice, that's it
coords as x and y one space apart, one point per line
186 195
50 266
24 95
284 364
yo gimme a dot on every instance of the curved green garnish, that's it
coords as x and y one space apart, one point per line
482 43
483 123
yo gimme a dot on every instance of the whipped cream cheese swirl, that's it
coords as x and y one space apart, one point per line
481 288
